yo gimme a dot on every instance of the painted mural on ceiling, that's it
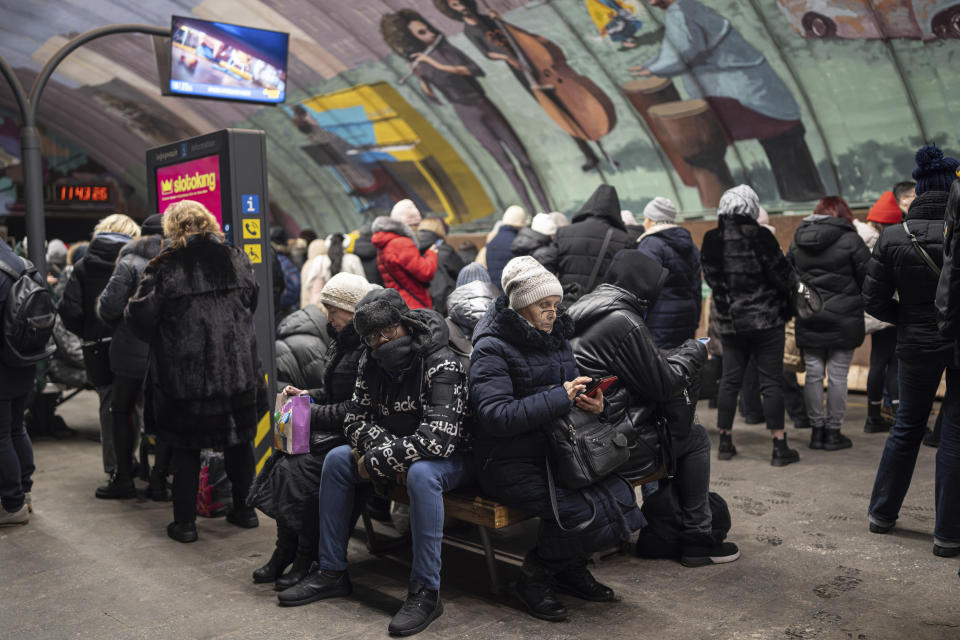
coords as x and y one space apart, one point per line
468 106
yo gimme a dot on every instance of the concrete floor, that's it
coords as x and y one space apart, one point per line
85 568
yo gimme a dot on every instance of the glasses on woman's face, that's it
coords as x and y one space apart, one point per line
378 337
550 313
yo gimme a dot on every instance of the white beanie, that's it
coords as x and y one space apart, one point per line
627 217
740 201
515 216
543 223
406 212
660 210
344 291
525 281
560 219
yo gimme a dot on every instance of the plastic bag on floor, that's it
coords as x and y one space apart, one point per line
214 492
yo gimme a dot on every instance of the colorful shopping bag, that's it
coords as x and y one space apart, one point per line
291 431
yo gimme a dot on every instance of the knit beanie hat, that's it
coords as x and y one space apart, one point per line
344 291
739 201
543 223
406 212
378 309
515 216
525 281
628 219
762 216
57 252
660 210
152 226
473 272
934 172
886 210
560 219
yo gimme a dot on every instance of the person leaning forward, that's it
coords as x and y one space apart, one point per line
405 426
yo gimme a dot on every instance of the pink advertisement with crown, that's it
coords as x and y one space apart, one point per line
192 180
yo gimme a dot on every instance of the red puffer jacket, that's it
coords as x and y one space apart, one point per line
400 263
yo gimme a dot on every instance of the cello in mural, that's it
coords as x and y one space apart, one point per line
573 101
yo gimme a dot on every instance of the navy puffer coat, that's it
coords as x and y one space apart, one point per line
675 315
516 387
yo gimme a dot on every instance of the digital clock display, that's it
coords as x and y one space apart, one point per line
82 193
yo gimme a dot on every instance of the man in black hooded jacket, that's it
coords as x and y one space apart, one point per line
579 246
612 339
405 426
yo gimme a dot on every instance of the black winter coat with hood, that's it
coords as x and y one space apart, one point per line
449 264
675 315
128 354
896 266
301 345
578 244
752 281
537 245
830 256
363 248
195 308
396 419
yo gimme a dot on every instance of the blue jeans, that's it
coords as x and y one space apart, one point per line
426 482
918 385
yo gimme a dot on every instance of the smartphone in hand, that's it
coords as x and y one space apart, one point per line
598 385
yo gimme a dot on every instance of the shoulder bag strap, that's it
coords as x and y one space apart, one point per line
10 271
923 254
552 490
381 261
596 266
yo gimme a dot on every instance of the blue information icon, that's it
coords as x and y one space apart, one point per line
250 203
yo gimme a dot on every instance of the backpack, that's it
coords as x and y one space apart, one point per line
28 319
662 537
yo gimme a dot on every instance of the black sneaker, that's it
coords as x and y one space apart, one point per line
945 552
816 437
318 585
833 440
783 454
880 528
245 518
698 556
422 607
116 489
876 425
182 531
726 450
579 582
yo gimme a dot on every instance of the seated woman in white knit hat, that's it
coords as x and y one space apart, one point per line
287 487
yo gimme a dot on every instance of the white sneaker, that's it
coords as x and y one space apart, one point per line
9 518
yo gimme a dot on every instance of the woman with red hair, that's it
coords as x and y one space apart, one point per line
830 256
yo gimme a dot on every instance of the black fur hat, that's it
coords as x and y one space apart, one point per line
379 309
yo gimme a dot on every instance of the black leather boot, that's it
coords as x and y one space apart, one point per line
117 488
816 437
283 554
578 581
725 449
782 453
876 423
305 555
244 517
422 607
833 440
535 589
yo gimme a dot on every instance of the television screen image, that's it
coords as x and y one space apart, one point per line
191 180
227 61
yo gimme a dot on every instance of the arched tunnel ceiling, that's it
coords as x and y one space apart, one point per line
800 98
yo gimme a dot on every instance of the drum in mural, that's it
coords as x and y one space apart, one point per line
693 132
644 93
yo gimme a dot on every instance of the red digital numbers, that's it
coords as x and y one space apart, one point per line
83 193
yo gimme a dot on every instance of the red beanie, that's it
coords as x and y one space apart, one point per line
886 210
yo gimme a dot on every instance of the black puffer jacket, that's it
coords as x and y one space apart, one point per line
830 256
611 339
363 248
675 315
751 279
578 245
449 264
535 244
195 307
329 408
420 414
128 354
896 266
90 275
301 344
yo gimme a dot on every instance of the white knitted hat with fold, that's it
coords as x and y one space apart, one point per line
344 291
525 281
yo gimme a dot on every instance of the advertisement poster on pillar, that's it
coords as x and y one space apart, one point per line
192 180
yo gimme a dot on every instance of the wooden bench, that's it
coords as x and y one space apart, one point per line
467 506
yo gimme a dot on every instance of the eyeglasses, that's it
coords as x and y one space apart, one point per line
376 338
551 313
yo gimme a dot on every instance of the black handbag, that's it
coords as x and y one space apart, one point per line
584 449
96 360
651 449
806 301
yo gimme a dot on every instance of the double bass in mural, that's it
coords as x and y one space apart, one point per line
742 98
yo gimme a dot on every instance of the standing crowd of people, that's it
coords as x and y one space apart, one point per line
431 369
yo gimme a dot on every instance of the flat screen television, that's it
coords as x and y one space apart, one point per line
227 61
197 179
